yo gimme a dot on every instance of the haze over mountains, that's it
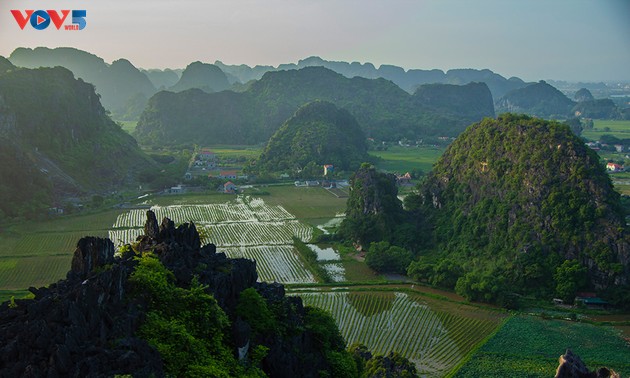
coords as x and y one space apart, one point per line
383 110
126 89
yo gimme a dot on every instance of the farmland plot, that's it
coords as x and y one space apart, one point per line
274 263
246 228
434 341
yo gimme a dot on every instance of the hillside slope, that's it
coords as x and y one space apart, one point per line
57 139
317 134
521 205
538 99
207 77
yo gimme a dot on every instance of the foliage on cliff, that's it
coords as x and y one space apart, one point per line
511 201
383 110
317 134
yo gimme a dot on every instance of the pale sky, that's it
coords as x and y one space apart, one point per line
575 40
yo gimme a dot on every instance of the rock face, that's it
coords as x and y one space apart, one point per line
571 366
85 325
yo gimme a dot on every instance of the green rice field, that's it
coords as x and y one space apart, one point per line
620 129
529 347
405 159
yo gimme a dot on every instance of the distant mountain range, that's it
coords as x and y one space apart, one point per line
383 109
408 80
123 86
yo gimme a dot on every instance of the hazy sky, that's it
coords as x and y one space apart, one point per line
577 40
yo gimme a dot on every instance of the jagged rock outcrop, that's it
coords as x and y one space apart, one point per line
571 366
87 325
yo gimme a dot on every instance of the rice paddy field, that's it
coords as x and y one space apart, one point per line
39 253
435 337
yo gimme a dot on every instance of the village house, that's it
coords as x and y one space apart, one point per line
614 167
207 155
230 175
229 187
403 180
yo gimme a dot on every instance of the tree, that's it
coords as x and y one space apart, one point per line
384 257
570 277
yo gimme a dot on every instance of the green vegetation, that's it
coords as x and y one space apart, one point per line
316 135
207 77
128 126
374 212
529 347
407 159
383 257
123 89
186 326
618 129
309 257
432 334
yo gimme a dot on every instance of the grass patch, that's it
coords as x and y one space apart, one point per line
128 126
529 347
620 129
405 159
307 204
235 151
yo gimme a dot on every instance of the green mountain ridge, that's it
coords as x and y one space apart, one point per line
63 141
317 134
206 77
383 110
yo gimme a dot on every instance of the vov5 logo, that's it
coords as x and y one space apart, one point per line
41 19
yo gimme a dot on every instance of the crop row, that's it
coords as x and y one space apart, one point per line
254 233
124 236
244 209
405 325
274 263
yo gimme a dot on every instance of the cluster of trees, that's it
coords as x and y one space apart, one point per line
515 206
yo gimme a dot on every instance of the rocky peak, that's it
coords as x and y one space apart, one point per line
90 254
572 366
